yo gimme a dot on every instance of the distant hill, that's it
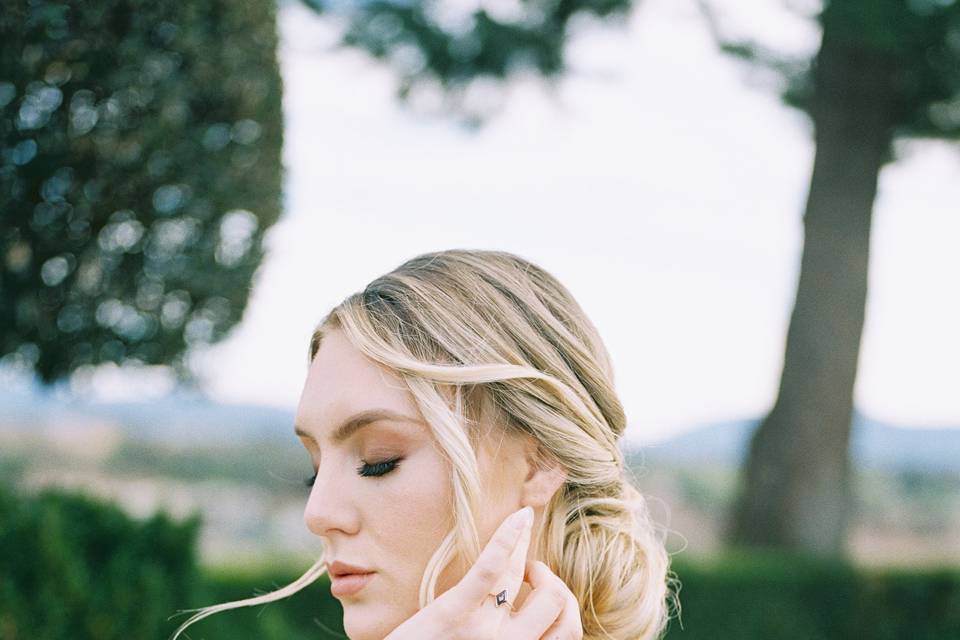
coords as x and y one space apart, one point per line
197 419
182 419
179 419
874 444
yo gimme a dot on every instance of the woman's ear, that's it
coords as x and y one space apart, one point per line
544 477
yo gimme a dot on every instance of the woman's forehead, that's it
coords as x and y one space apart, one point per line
339 365
336 402
342 382
341 430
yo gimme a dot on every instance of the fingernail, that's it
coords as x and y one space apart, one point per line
526 516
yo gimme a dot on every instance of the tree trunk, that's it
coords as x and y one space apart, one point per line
795 492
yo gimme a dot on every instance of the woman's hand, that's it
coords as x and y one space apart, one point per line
468 610
550 594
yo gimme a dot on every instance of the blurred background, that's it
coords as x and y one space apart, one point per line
755 202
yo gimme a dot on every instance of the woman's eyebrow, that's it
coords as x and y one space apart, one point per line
358 421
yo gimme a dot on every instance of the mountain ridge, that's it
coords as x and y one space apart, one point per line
191 418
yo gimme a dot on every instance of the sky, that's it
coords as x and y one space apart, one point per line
662 182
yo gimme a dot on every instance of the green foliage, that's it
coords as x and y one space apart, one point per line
429 41
12 466
451 46
921 39
139 167
752 595
311 614
80 569
76 568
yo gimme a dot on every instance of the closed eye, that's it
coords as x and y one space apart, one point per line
366 469
378 468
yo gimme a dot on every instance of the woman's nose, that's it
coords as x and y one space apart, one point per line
328 507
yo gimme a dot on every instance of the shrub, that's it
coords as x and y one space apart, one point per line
758 596
75 568
739 596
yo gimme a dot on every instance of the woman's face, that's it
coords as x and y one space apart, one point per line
391 523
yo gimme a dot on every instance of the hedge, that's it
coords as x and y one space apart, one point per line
72 567
78 568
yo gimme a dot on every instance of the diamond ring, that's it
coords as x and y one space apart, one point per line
502 599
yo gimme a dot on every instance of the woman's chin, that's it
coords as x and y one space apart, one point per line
365 621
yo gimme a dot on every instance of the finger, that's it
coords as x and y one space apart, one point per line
512 578
493 562
569 625
545 608
509 583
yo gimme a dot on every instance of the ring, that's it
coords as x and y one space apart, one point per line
502 599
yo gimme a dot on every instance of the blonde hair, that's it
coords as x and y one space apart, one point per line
486 335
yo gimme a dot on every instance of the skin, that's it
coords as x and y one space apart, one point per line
392 524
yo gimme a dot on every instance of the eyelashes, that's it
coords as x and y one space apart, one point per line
378 468
375 469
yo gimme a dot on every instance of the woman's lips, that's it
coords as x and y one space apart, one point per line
349 584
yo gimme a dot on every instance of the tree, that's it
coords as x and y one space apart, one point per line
438 45
885 69
139 168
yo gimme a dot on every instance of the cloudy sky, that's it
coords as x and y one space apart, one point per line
661 182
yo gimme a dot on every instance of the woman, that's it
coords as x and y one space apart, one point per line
456 390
